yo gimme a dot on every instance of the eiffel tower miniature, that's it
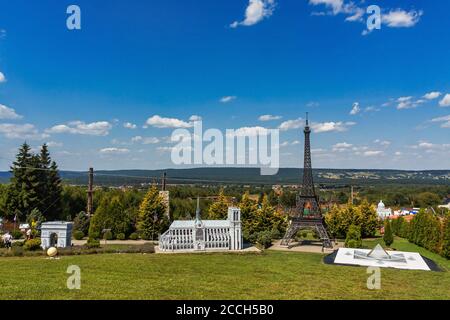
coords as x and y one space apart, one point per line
307 213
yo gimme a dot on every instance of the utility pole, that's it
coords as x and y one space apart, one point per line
90 192
352 194
164 181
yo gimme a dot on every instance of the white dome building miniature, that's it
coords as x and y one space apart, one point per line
382 211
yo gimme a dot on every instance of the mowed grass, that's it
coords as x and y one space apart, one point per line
269 275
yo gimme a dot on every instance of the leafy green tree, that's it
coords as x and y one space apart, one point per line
81 222
368 219
219 209
249 211
111 214
388 237
353 237
446 237
152 218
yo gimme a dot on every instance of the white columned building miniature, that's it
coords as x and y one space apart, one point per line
382 211
56 234
204 235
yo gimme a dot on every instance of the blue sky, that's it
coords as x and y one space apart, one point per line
229 62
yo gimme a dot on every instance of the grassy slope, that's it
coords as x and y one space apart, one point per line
271 275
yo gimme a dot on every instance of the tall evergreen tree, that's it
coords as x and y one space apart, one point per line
219 209
35 184
152 218
22 196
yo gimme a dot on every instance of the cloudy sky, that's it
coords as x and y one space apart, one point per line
110 95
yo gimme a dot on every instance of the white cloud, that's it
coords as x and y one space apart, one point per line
228 99
54 144
400 18
292 124
145 140
129 125
341 147
355 109
268 117
445 121
405 103
249 132
100 128
114 151
257 10
159 122
373 153
432 95
8 113
445 102
384 143
371 109
331 126
2 77
335 5
21 131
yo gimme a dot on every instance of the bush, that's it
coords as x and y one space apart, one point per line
108 235
17 251
353 239
78 235
32 245
446 238
264 239
304 235
92 243
94 235
18 244
134 236
17 234
121 236
388 237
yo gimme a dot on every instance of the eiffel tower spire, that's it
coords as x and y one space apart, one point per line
308 213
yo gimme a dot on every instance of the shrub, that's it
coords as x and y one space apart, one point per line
134 236
446 238
94 235
17 234
388 237
121 236
264 239
108 235
18 244
304 235
78 235
92 243
353 239
17 251
32 245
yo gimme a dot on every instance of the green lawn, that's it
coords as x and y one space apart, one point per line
270 275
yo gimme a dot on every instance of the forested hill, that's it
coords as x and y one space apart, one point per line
252 176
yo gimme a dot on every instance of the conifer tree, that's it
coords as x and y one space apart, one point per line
152 219
388 237
219 209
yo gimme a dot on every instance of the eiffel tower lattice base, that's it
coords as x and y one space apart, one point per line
298 224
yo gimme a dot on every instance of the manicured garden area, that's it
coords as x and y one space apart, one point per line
268 275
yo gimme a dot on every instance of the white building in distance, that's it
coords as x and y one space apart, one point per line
204 235
382 211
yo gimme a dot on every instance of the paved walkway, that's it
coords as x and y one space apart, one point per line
126 242
311 248
245 250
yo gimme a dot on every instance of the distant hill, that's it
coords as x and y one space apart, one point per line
209 176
